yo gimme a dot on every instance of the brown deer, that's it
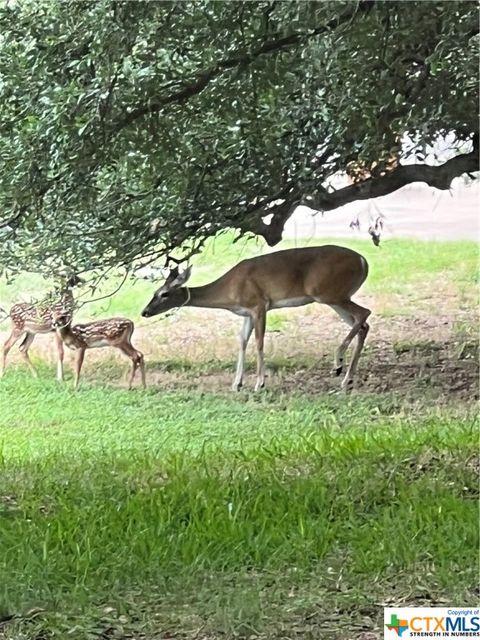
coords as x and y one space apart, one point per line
113 332
32 318
290 278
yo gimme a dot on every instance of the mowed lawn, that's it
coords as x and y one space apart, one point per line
185 514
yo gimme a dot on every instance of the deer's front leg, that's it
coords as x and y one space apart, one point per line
60 356
78 366
260 321
245 334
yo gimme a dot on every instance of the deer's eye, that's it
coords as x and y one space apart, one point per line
162 294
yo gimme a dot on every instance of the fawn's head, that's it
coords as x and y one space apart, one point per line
61 318
73 281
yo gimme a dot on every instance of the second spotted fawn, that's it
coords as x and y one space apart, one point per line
113 332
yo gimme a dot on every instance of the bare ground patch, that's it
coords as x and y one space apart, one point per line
429 354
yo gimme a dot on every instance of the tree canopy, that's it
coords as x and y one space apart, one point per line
131 129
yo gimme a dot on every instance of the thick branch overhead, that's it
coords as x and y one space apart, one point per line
439 177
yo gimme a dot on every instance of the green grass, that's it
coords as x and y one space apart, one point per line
195 509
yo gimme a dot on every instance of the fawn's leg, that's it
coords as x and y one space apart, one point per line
60 356
78 366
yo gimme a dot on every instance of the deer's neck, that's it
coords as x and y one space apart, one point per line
64 332
67 336
67 297
211 296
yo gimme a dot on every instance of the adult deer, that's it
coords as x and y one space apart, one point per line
30 319
114 332
291 278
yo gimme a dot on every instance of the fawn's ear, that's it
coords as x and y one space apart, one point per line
176 279
74 281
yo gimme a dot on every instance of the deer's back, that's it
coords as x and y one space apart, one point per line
31 317
326 273
101 333
38 317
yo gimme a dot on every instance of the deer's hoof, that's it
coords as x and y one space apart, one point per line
347 386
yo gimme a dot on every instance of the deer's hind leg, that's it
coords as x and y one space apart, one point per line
138 362
347 382
356 317
9 342
338 358
24 347
259 323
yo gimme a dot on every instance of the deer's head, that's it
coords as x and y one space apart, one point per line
170 295
73 281
61 318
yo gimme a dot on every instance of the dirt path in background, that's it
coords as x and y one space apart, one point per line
415 211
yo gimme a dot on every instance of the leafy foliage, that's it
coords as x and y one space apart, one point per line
132 128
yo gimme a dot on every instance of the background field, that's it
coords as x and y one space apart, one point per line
187 512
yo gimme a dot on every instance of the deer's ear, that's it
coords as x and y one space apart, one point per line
181 278
74 281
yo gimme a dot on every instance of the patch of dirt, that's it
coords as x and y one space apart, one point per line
424 355
410 355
